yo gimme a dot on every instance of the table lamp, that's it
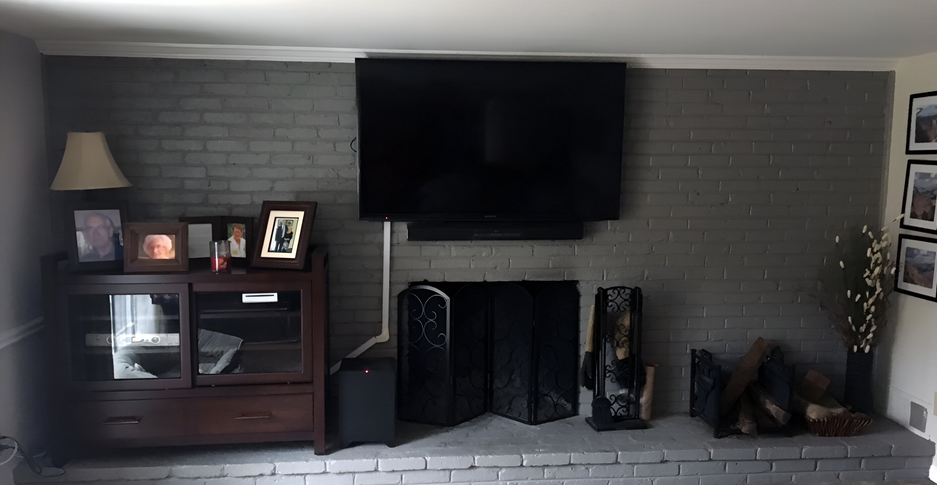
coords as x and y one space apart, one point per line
88 164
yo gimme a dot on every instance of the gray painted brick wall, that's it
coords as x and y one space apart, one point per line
734 184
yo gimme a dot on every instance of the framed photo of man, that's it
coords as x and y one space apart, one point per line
98 242
284 236
156 247
922 123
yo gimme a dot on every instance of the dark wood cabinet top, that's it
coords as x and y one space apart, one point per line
199 272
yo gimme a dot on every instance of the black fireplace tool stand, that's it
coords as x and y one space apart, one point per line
619 371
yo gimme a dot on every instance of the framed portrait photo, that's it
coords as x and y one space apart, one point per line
98 242
284 234
920 196
917 257
156 247
922 123
239 231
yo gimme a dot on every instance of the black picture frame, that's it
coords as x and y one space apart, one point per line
80 253
220 231
916 278
267 250
139 259
919 204
922 124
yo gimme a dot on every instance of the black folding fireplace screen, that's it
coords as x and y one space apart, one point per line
507 348
619 371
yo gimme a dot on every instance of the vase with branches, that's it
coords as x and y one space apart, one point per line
854 288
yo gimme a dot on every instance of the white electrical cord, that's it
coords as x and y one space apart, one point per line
385 307
16 448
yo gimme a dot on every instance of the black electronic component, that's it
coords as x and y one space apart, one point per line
366 401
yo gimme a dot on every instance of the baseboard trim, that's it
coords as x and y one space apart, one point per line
14 335
342 55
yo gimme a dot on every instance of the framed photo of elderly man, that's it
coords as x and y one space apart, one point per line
99 239
156 247
284 236
922 123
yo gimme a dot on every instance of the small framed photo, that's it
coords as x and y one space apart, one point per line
239 231
920 196
156 247
99 239
284 234
917 257
922 123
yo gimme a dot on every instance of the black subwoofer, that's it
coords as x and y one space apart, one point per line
366 410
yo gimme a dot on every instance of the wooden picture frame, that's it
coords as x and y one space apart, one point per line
917 257
106 231
275 249
920 196
922 124
156 247
221 227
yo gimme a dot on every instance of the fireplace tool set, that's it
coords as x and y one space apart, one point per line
622 384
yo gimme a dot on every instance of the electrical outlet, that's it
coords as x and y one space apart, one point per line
918 419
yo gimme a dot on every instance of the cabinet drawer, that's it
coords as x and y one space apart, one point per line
258 414
129 420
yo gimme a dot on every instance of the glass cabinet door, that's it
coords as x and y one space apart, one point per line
127 340
250 337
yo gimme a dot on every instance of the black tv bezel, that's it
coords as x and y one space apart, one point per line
480 217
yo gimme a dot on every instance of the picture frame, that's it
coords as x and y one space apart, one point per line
100 245
922 124
920 196
917 257
203 230
156 247
274 248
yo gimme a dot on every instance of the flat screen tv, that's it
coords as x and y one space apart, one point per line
448 140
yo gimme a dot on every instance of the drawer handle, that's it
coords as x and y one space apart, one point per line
122 420
259 297
254 416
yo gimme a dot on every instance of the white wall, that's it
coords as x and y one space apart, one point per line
907 359
24 235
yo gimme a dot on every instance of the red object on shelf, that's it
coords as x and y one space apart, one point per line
220 264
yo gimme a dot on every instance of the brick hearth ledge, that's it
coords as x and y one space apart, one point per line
491 449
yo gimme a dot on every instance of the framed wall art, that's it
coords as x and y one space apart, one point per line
239 231
917 257
156 247
922 123
284 234
98 242
920 196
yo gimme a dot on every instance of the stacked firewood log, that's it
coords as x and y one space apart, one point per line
746 405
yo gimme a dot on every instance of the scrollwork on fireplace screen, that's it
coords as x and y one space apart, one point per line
428 319
425 349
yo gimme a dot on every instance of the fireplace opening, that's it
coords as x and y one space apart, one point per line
510 348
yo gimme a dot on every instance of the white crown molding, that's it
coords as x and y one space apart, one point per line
11 336
337 55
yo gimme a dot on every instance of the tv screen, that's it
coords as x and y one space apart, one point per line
443 140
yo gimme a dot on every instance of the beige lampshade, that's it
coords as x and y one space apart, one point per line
88 164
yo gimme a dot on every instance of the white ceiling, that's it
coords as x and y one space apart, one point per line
747 29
